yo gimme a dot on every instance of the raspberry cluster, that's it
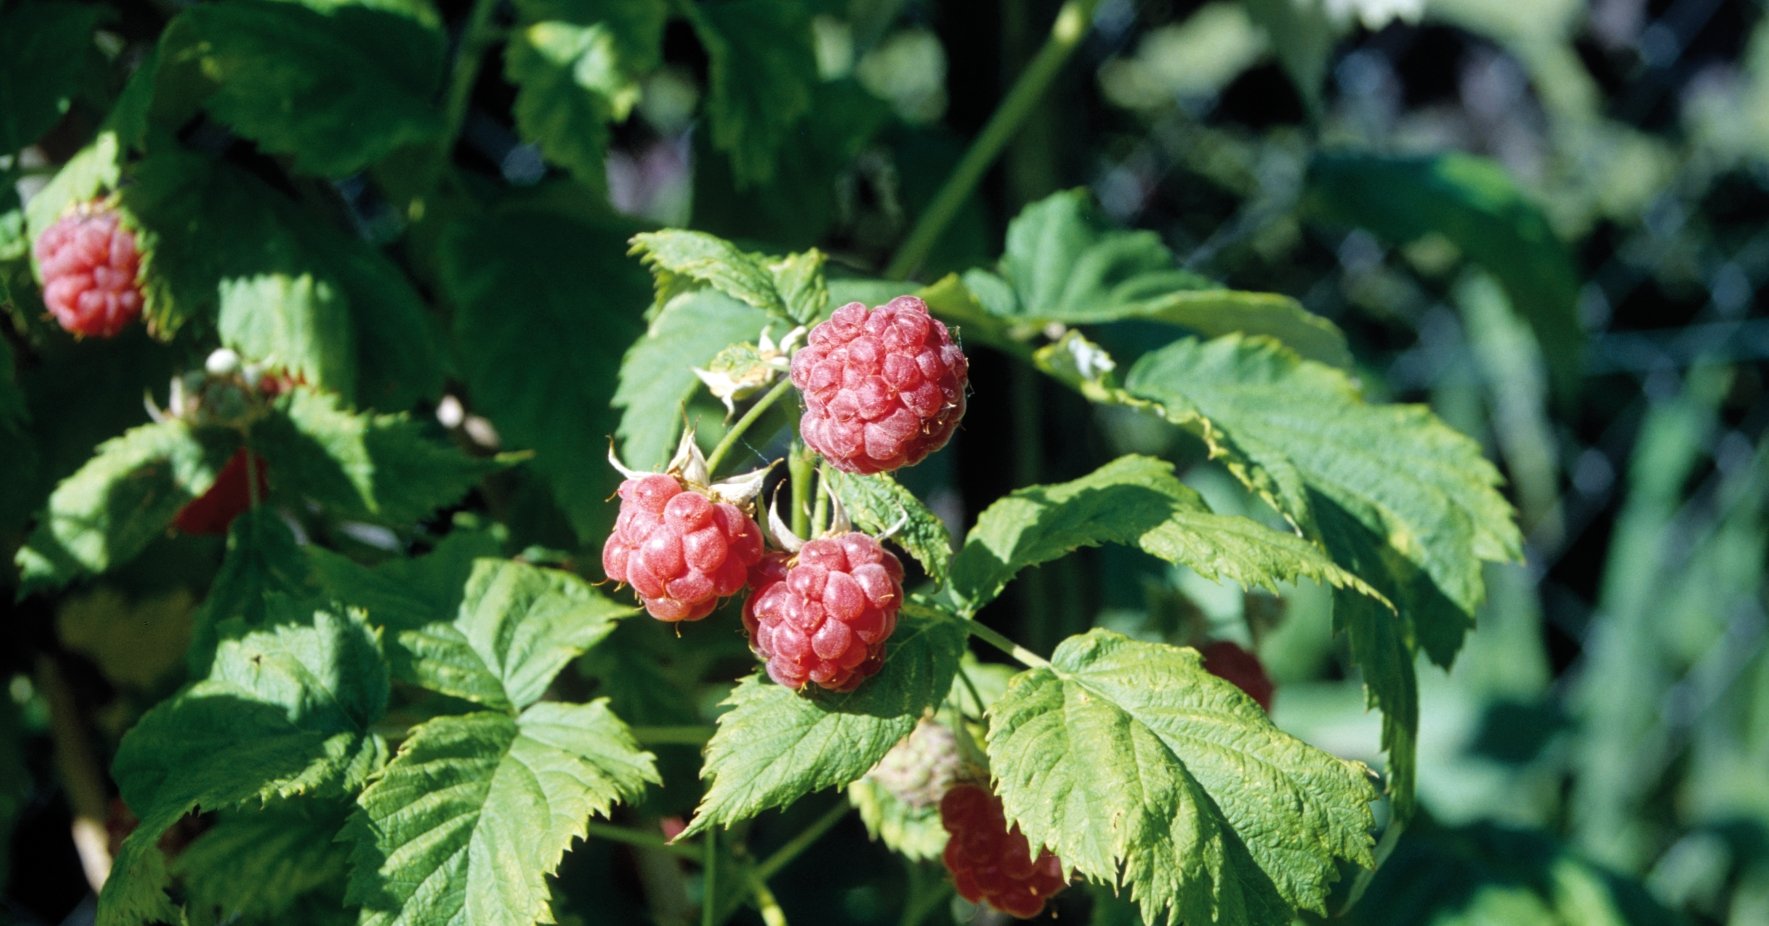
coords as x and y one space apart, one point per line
1227 660
882 388
680 550
90 264
823 616
920 770
228 497
990 861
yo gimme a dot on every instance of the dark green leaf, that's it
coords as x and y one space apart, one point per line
776 745
477 809
262 562
657 376
1137 767
256 864
46 49
763 71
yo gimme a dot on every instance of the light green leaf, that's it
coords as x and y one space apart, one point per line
553 299
763 70
657 376
800 281
477 809
1390 492
1062 266
879 503
912 832
679 258
46 49
576 65
1139 502
336 91
94 169
285 711
776 745
1475 204
487 630
256 864
300 323
1137 767
120 500
379 467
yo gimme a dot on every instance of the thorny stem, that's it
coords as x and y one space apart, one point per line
729 441
1065 34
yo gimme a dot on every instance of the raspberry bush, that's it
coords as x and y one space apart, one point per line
356 647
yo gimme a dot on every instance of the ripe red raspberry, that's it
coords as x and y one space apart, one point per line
680 550
992 862
89 263
919 770
883 389
824 616
227 498
1228 661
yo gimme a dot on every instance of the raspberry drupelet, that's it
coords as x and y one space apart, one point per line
90 266
991 862
823 616
883 388
681 551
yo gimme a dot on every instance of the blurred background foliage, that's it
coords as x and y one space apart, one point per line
1548 220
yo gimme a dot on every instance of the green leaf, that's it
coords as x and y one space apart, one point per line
477 809
46 50
1475 204
800 281
912 832
879 503
1390 492
257 864
120 500
300 320
92 170
1137 767
285 711
379 467
1063 267
548 305
262 562
1303 34
576 65
335 91
776 745
763 71
678 258
657 376
490 631
1135 501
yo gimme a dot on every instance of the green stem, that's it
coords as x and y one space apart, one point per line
729 441
971 687
1021 101
766 902
806 837
690 735
820 517
709 866
646 840
801 465
994 638
477 35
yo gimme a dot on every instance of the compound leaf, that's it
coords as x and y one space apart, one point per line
378 467
256 864
879 503
763 71
120 500
1137 767
476 810
657 376
776 745
1139 502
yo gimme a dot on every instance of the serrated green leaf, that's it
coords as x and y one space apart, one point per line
94 169
1137 767
46 49
1475 204
1390 492
799 280
300 321
657 375
120 500
1062 266
776 745
1139 502
477 809
378 467
552 299
336 91
763 70
257 864
675 256
490 631
879 503
262 562
285 711
912 832
576 65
